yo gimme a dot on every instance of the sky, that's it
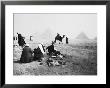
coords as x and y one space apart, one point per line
70 24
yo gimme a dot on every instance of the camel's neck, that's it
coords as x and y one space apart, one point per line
63 36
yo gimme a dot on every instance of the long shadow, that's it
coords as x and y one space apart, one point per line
18 61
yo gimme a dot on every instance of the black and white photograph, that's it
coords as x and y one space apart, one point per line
54 44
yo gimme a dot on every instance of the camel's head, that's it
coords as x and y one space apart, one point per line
63 36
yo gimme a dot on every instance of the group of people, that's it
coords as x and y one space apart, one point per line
29 55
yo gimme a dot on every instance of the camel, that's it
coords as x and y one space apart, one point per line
59 38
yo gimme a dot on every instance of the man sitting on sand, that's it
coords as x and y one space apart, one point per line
52 51
26 54
39 52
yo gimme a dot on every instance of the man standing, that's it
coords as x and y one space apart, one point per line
66 40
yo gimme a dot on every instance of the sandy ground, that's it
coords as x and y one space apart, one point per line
79 61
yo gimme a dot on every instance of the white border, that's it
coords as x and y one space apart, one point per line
101 29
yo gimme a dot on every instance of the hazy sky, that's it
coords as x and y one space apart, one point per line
68 24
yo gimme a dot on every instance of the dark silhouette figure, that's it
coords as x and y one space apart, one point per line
30 38
14 38
21 41
66 40
26 55
39 52
59 38
52 51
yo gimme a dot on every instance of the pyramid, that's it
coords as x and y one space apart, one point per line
45 36
82 36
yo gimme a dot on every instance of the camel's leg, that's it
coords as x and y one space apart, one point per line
55 41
